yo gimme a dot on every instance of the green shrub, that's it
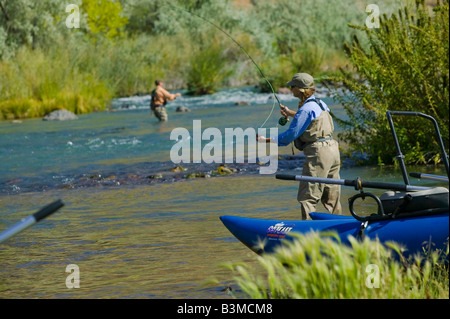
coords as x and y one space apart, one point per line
405 68
208 68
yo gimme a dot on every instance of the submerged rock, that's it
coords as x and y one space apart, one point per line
179 168
198 175
225 170
182 109
155 176
60 115
141 174
242 103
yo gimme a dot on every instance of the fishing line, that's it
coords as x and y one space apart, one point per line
282 120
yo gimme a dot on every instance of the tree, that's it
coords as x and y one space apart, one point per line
28 22
104 17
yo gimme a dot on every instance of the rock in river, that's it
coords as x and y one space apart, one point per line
182 109
60 115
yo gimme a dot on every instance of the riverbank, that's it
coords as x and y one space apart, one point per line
81 70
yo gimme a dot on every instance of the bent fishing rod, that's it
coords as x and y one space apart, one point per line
284 119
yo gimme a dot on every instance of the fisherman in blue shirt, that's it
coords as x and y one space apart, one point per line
311 131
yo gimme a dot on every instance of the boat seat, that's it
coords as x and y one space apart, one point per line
424 202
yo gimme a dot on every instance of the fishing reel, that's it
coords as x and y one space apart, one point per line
282 121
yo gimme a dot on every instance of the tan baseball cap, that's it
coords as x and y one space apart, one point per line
302 81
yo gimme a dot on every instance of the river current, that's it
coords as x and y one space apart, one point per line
136 224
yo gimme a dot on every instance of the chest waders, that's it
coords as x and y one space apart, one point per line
308 137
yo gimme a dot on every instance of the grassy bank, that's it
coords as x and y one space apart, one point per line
38 82
82 76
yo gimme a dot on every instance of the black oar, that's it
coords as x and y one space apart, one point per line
31 220
429 176
357 183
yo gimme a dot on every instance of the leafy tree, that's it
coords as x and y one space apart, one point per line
104 17
142 15
28 22
405 68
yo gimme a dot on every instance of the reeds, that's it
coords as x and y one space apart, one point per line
37 82
318 266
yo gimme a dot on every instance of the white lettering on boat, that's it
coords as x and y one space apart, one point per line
279 230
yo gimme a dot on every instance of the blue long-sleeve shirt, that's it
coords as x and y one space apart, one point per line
307 113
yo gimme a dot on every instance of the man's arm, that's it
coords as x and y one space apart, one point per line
168 96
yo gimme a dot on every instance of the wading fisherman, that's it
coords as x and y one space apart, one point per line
311 131
159 98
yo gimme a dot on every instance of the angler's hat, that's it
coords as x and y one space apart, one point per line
302 81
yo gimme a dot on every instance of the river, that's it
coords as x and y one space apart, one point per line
133 223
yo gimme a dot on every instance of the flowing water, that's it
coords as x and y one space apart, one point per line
135 226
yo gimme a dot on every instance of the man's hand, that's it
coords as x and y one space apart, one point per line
261 138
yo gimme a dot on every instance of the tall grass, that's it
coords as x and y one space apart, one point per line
320 267
39 81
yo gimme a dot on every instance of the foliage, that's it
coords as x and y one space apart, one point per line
406 68
318 266
104 17
122 46
180 17
304 35
38 82
28 22
296 23
208 68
